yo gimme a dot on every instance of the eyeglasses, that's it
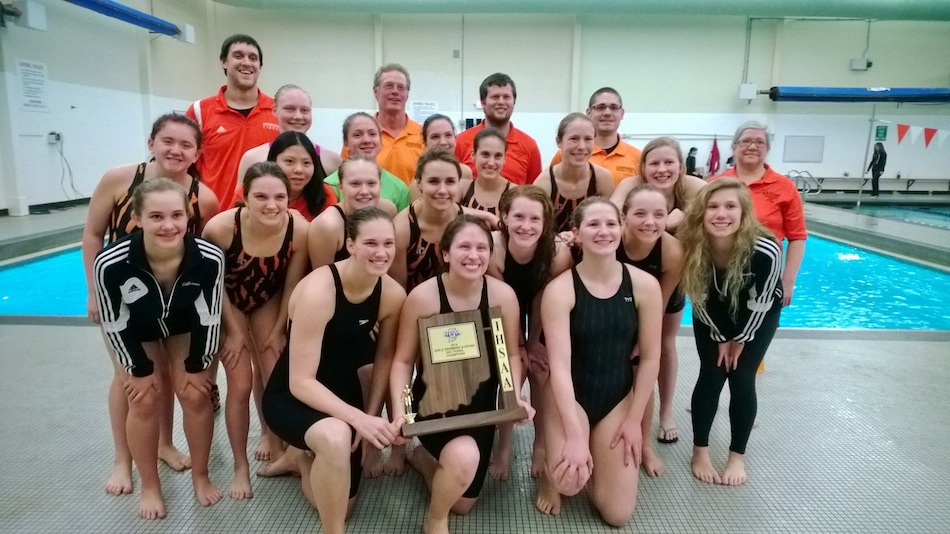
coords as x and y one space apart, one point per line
600 108
746 143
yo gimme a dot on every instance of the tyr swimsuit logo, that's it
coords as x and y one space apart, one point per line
132 290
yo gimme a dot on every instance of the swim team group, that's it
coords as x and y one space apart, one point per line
304 273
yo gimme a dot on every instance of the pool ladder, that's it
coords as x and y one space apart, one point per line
805 182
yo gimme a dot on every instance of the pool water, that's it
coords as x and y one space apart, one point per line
937 216
839 286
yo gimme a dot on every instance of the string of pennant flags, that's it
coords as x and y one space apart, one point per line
915 131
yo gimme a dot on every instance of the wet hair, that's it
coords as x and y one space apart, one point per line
577 217
570 118
680 197
349 122
240 38
354 158
879 146
546 246
260 169
642 188
289 87
313 193
697 262
177 118
436 153
489 132
391 67
157 185
456 226
358 218
752 125
499 80
604 90
432 118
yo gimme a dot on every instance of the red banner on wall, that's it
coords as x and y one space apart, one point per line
929 135
901 132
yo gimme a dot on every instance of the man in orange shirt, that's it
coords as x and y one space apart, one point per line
237 119
401 136
610 151
522 159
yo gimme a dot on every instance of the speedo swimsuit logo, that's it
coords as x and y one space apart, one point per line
452 334
363 321
132 290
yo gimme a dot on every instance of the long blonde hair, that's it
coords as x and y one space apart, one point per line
680 196
698 263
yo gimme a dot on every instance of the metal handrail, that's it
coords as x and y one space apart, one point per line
805 182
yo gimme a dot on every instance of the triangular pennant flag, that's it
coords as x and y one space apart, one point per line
915 132
942 136
928 136
901 132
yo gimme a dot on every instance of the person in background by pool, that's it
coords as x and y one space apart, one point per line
174 142
668 174
454 463
777 203
294 112
732 276
526 256
876 167
265 246
595 398
294 154
159 293
575 178
485 191
646 245
313 399
361 135
691 163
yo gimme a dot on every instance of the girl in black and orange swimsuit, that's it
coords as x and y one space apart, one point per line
485 191
575 178
266 255
175 141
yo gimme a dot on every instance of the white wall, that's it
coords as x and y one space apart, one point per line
678 75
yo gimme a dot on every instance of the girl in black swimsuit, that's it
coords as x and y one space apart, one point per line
454 463
594 402
485 191
313 400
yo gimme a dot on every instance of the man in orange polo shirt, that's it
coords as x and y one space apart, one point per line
237 119
610 151
522 159
401 136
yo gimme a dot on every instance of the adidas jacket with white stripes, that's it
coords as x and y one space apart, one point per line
761 293
133 308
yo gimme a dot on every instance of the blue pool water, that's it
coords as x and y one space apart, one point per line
938 216
839 286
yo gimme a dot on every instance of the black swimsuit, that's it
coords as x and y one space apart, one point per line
484 399
423 259
521 278
653 264
341 254
251 281
564 207
603 335
470 201
346 347
121 223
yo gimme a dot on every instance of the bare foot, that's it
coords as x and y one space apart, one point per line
240 487
395 465
151 505
734 474
548 501
432 526
500 465
702 466
372 468
537 461
174 458
285 464
651 464
120 481
268 449
206 492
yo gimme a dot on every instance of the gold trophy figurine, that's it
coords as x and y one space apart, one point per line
407 405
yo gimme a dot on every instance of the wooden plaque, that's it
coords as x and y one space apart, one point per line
455 360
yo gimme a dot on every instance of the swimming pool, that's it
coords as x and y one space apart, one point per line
938 216
839 286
